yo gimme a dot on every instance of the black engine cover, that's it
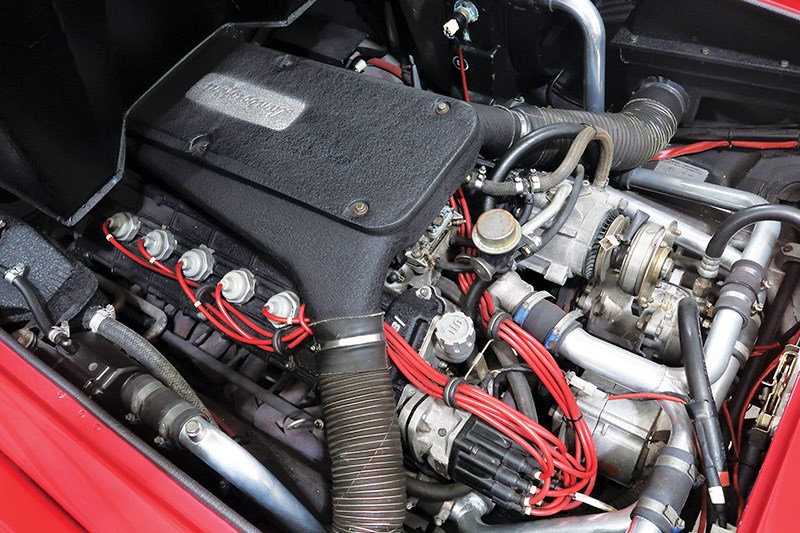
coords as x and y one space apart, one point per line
329 172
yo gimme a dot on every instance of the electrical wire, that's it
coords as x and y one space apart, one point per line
647 396
386 66
704 146
463 70
563 474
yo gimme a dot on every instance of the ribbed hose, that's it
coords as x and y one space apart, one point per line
149 357
642 129
366 454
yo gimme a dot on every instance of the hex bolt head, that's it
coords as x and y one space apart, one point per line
124 226
160 244
198 263
193 429
238 286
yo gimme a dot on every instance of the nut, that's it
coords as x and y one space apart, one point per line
238 286
285 305
124 226
160 244
198 263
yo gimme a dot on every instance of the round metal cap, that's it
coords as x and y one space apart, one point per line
496 232
455 337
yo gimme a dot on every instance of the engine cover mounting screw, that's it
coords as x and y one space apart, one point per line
360 208
442 108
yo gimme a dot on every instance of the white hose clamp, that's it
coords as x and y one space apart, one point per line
100 316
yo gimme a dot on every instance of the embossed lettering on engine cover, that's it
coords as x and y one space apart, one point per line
245 101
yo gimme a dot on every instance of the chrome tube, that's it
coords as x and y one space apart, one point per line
619 365
245 472
550 210
594 49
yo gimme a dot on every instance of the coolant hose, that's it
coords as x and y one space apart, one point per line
746 217
702 406
523 396
435 492
642 129
104 324
369 481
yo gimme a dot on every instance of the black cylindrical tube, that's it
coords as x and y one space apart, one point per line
523 396
472 298
369 481
643 127
40 313
536 138
149 357
746 217
435 492
566 211
702 404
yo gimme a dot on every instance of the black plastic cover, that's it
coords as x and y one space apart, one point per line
285 151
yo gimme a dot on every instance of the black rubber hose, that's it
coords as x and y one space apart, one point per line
565 213
149 357
369 481
493 188
523 396
770 333
218 367
746 217
453 266
28 292
435 492
702 406
642 129
473 296
524 147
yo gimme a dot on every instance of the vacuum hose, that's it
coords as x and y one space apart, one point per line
369 481
642 129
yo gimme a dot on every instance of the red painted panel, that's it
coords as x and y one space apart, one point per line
25 507
773 501
792 6
99 479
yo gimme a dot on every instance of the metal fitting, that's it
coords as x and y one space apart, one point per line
285 305
160 244
198 263
238 286
101 315
464 14
709 267
15 272
124 226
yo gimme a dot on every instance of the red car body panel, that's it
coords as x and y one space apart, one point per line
88 471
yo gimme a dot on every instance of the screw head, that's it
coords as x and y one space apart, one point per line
784 63
442 108
193 429
442 432
360 208
705 51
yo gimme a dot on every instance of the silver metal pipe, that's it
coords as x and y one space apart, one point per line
765 234
550 210
619 365
245 472
594 49
613 522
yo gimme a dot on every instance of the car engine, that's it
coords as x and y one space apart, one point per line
421 266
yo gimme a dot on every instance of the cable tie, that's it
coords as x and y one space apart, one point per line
109 237
197 303
571 420
152 260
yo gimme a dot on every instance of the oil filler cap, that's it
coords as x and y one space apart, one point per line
455 337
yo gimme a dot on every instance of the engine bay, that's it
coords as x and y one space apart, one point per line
434 266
